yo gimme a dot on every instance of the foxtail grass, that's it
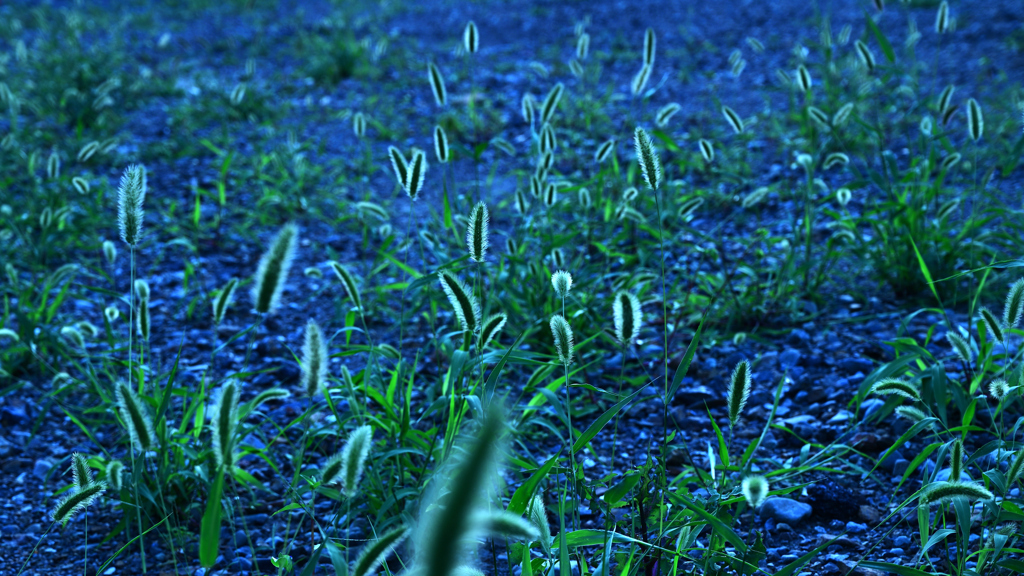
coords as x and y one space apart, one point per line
755 490
314 360
273 270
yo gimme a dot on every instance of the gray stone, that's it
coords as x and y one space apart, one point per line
902 542
856 527
785 510
789 358
42 468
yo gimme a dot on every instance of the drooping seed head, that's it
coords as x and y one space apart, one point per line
73 336
467 309
1013 310
896 387
961 347
992 325
640 80
561 281
114 475
562 333
477 240
867 57
69 506
111 313
948 491
666 113
130 195
225 420
373 555
975 120
348 282
650 164
490 329
504 524
437 84
627 317
739 391
273 270
136 418
223 300
734 120
1016 469
400 165
471 38
650 46
604 151
820 119
843 196
914 415
836 159
945 100
441 144
314 359
841 115
81 185
755 490
547 110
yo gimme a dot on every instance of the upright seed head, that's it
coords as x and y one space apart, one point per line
109 252
550 194
141 289
314 359
558 258
53 166
416 174
945 99
975 120
739 391
440 144
114 474
584 197
561 281
536 186
111 313
136 419
992 324
999 388
867 57
538 514
273 270
803 77
359 124
477 232
942 18
707 150
956 460
467 309
437 84
548 140
650 47
755 490
144 319
562 333
1013 310
583 46
130 195
471 38
666 113
223 300
550 104
80 471
521 204
527 108
627 317
650 164
225 415
734 120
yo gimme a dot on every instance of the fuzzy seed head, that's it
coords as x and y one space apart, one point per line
640 80
650 46
961 347
914 415
348 282
707 150
465 304
650 164
538 514
373 555
547 111
477 240
948 491
942 18
80 471
225 420
69 506
437 85
755 490
141 289
346 467
739 391
223 300
114 475
109 252
999 388
867 57
561 281
471 38
490 329
562 333
666 113
975 120
995 329
416 174
584 198
604 151
627 317
400 165
583 46
803 77
734 120
503 524
896 387
130 195
441 144
273 270
550 194
314 359
136 418
527 108
1013 310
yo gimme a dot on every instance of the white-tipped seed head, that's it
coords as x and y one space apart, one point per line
477 233
640 80
437 85
273 270
465 304
441 149
739 391
561 331
225 420
650 164
561 281
131 193
896 387
755 490
1013 310
650 46
975 120
627 317
109 252
490 329
314 359
136 419
471 38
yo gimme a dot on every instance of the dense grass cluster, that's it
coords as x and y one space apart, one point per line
454 369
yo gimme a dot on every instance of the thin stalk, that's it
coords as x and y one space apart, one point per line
135 472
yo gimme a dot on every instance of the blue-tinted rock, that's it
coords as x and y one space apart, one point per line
785 510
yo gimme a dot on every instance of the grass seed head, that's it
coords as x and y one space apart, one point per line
348 281
136 418
583 46
739 391
604 151
109 252
144 319
80 471
527 107
975 120
1016 469
896 387
538 514
755 490
314 360
841 115
353 459
74 336
465 304
666 113
548 140
956 459
490 329
53 166
650 163
914 415
755 197
225 415
536 186
141 289
111 313
550 194
547 111
521 203
803 79
437 85
627 317
373 555
223 300
504 524
561 281
562 333
359 124
400 165
1013 310
441 144
416 174
584 198
640 80
707 150
843 196
999 388
114 475
867 57
81 185
948 491
131 193
734 120
650 46
471 38
273 270
836 159
477 233
961 347
945 101
992 324
69 506
942 18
